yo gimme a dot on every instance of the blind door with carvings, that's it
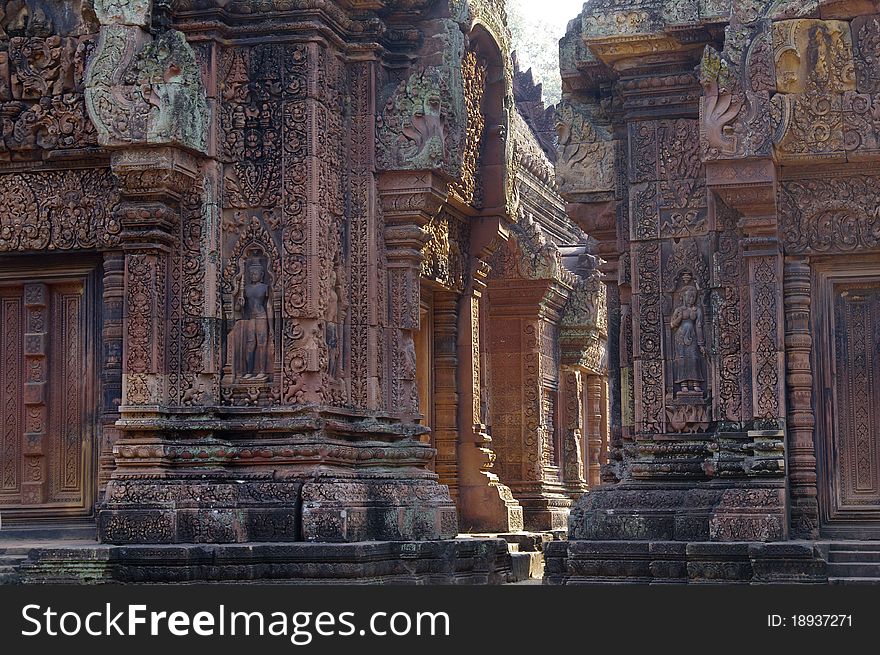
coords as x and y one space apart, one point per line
46 444
855 448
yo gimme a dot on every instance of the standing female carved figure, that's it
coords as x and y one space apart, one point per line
688 340
255 302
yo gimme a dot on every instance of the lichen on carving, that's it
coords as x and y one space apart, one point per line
418 128
146 89
123 12
585 152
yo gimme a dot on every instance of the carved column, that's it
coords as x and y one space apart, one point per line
111 375
801 418
524 320
409 201
756 202
599 217
367 291
584 352
486 504
750 188
36 352
596 437
446 396
151 185
621 389
574 447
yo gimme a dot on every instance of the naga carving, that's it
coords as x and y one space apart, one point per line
720 107
142 88
418 127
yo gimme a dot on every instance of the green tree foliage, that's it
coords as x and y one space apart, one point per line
536 27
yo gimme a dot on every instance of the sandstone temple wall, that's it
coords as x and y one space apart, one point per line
724 156
258 266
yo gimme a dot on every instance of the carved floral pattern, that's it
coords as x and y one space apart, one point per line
835 215
58 210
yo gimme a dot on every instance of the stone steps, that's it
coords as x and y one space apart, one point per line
526 551
847 556
865 546
853 570
527 554
527 566
855 581
854 563
72 531
14 551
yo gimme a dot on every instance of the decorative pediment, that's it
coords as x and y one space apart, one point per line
418 128
141 88
585 153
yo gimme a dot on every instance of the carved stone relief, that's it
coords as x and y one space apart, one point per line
142 88
585 152
58 210
836 215
418 128
446 252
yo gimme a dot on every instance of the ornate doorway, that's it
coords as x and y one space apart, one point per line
47 433
850 463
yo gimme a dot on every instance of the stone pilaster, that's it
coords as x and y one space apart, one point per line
574 429
524 320
487 505
446 396
801 417
152 183
111 372
596 415
409 201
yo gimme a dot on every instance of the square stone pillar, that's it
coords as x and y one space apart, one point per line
487 505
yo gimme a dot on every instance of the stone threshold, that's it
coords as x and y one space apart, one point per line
475 561
585 562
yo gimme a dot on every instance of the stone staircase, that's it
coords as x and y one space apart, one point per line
527 554
854 563
10 560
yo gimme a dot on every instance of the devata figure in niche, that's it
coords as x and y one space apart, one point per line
257 326
689 341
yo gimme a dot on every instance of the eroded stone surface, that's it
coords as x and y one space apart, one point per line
723 343
306 248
